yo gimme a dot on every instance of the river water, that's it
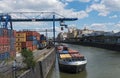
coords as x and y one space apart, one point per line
102 63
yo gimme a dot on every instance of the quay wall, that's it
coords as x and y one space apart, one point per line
42 67
114 47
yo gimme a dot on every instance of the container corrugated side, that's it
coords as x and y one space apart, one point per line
20 39
20 35
31 38
12 53
63 56
19 44
4 55
1 48
18 49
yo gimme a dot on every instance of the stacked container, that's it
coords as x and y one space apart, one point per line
7 43
27 39
43 42
20 38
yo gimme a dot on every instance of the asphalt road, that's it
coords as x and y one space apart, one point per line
7 67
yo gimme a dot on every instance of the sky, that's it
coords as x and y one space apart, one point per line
102 15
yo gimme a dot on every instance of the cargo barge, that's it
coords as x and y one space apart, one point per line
70 60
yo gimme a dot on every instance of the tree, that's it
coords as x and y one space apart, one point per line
28 58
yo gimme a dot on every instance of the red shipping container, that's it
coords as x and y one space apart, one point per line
1 48
34 47
27 44
30 48
6 48
72 51
1 40
14 33
5 32
6 40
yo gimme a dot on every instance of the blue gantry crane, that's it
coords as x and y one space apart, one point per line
10 17
6 21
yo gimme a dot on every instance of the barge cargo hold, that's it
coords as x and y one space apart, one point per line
70 60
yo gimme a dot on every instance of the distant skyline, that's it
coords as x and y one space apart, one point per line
103 15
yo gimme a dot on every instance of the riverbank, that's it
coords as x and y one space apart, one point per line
114 47
44 64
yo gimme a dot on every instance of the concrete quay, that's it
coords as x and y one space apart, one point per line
45 60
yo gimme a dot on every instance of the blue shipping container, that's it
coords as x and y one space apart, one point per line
35 42
4 56
10 33
1 32
42 37
31 38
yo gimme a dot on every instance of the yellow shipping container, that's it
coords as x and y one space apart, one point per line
21 35
18 44
62 56
18 49
20 40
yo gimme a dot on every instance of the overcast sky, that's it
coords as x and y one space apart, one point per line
101 15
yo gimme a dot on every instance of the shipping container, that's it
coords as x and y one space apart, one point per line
18 44
1 32
4 40
6 48
1 40
12 46
20 39
35 42
27 44
77 55
72 51
20 34
30 48
1 48
34 47
31 38
42 37
12 53
11 33
4 55
63 56
18 49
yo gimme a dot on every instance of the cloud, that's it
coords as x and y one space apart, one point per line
84 0
114 16
40 5
102 9
98 26
104 26
113 5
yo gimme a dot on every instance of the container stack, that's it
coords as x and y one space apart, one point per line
43 42
7 43
20 38
12 35
31 42
27 39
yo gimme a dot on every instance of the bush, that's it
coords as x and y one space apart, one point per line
28 58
